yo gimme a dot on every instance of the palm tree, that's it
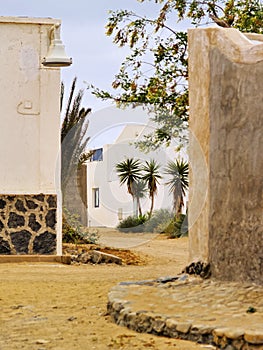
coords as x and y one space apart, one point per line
129 172
139 188
73 133
178 183
151 177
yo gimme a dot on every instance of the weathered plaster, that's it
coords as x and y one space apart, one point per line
226 90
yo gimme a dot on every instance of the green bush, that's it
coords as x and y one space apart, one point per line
132 224
159 221
162 221
178 227
74 232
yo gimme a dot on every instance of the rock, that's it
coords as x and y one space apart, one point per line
158 324
183 327
117 306
199 268
167 279
42 341
201 329
84 258
170 328
254 337
72 318
234 333
98 257
238 344
144 323
220 332
252 347
229 347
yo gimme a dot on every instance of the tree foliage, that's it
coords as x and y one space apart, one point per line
178 172
155 73
129 172
73 133
138 177
151 177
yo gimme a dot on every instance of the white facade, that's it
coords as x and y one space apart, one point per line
29 100
108 201
30 118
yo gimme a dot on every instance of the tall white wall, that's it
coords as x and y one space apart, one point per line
29 139
29 107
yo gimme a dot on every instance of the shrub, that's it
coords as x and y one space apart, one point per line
178 227
159 221
132 224
74 232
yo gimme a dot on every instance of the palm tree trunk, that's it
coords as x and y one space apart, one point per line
152 205
139 206
135 206
178 202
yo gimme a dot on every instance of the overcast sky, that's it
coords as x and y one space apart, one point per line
95 58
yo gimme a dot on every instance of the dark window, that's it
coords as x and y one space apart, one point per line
97 155
96 197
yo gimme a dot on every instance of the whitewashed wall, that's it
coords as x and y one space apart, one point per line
102 175
29 105
29 139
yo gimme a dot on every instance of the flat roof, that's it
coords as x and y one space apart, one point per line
29 20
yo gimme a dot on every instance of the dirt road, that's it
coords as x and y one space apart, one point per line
61 307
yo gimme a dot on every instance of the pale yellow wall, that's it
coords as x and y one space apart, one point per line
226 125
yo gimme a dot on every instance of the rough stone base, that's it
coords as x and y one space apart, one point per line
28 224
225 315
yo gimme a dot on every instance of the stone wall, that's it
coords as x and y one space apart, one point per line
226 94
28 224
75 194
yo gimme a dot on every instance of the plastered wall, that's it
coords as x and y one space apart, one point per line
226 123
29 114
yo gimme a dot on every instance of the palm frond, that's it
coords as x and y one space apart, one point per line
129 171
178 183
151 176
74 137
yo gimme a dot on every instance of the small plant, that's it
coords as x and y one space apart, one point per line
178 227
74 232
251 310
132 224
159 221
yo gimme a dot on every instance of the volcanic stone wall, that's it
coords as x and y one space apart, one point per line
28 224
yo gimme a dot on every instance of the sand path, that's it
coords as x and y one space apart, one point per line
60 307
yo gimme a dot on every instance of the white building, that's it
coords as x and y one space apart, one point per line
108 201
30 220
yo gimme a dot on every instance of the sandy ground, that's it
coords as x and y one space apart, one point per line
54 306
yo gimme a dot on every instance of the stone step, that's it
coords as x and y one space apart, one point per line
64 259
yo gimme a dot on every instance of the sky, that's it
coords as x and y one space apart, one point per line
96 59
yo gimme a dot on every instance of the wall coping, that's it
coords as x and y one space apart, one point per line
245 48
28 20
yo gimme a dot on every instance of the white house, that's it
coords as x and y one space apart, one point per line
30 220
108 201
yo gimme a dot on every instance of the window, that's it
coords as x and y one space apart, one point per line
97 155
96 197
